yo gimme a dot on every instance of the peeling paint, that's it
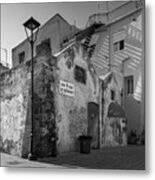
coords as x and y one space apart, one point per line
72 111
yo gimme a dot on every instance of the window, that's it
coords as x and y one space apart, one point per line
80 74
129 85
21 57
112 95
119 45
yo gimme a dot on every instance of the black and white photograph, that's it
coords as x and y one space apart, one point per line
72 85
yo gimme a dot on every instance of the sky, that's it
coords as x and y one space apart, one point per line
13 15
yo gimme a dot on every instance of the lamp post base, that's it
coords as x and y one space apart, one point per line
32 157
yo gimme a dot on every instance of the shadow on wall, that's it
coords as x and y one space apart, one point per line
44 117
132 111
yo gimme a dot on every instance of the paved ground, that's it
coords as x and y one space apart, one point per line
14 161
131 157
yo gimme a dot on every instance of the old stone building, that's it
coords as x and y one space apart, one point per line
51 35
67 103
89 86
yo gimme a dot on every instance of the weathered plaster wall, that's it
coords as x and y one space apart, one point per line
16 109
72 111
14 101
113 130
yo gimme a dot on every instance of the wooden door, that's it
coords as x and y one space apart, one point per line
93 124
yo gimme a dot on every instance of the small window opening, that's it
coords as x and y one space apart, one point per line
112 95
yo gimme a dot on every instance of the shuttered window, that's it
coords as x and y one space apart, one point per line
129 85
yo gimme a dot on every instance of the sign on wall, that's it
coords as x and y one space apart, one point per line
66 88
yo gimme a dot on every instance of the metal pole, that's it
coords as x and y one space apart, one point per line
32 154
109 29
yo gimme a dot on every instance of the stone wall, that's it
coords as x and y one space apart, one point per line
16 108
57 115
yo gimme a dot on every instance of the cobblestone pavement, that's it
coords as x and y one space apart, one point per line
128 158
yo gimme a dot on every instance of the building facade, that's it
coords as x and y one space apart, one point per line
68 96
120 48
93 85
51 35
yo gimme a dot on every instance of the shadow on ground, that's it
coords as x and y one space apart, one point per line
125 158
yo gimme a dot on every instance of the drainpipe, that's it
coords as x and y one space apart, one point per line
109 29
100 115
101 110
123 86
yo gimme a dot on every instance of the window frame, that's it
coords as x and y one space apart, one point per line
119 45
129 84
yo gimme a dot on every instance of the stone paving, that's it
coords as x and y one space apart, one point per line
127 158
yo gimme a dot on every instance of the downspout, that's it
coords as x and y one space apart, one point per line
109 29
100 115
103 100
101 111
109 50
123 89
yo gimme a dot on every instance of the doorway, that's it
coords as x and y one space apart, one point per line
93 124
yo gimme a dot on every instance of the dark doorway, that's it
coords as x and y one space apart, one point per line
93 124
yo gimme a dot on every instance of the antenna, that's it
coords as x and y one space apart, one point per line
98 10
107 10
98 6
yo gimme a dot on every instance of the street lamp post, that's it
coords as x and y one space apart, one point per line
31 25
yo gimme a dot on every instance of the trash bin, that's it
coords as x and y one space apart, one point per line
85 144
